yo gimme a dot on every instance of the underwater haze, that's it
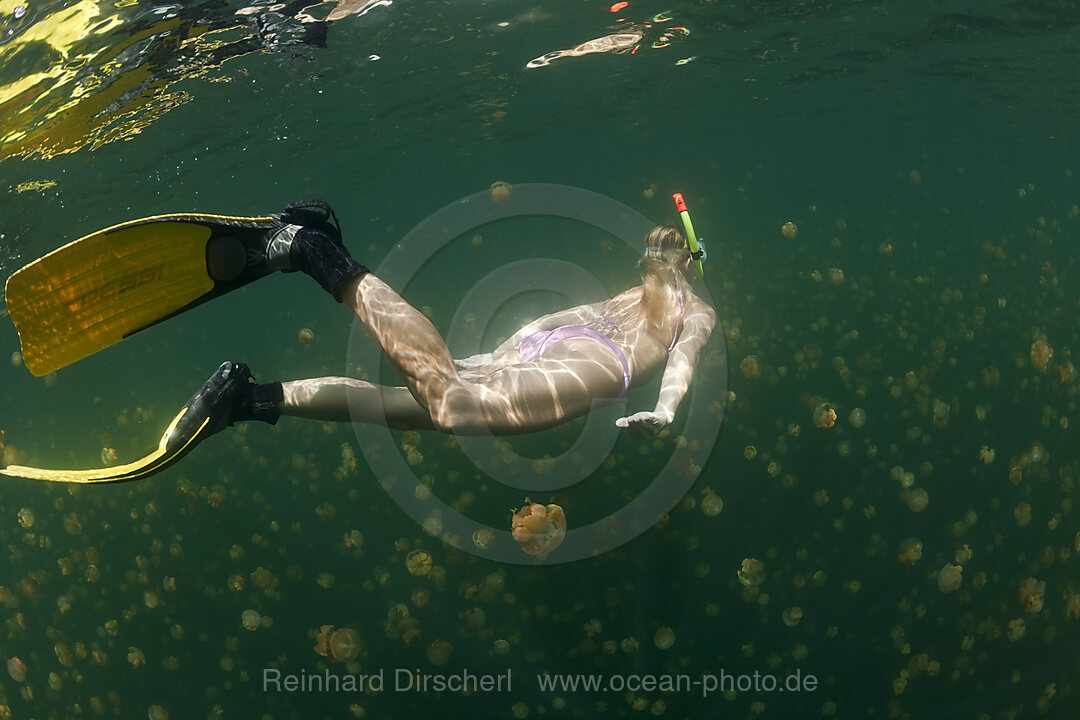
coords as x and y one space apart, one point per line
876 511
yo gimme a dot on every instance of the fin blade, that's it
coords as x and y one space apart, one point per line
99 289
161 458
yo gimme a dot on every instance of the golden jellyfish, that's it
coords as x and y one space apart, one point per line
857 418
824 416
950 578
836 276
344 644
539 528
752 572
664 637
940 413
910 552
26 518
1041 355
500 191
305 336
438 653
1065 372
108 456
792 616
918 499
750 367
136 657
1072 606
790 230
156 712
16 669
483 538
341 645
419 563
262 578
1032 594
251 619
712 504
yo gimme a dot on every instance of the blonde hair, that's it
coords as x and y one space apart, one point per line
665 286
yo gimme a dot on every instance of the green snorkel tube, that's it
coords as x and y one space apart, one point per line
697 247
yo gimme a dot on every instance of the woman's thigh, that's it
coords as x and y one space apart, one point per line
530 396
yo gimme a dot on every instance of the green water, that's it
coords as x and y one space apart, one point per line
927 150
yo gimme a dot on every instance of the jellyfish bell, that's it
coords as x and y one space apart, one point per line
344 644
1041 355
251 619
950 577
538 528
824 416
500 191
16 669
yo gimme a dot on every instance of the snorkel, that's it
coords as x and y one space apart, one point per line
697 248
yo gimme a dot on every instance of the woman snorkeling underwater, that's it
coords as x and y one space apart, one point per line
549 372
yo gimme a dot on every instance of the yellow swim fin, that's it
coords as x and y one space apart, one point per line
209 410
100 289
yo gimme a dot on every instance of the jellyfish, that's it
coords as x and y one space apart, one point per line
539 529
790 230
792 616
824 416
340 645
664 637
438 653
910 552
483 538
156 712
16 669
750 367
305 336
1041 355
917 499
857 418
1031 595
950 577
712 504
344 644
500 191
752 572
419 563
1065 373
251 619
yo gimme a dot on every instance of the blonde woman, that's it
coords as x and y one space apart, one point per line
549 372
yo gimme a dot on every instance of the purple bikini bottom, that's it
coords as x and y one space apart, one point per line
534 345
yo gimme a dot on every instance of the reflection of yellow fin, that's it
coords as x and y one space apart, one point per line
100 289
158 460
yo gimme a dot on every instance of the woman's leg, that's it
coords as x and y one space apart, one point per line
517 398
340 399
415 349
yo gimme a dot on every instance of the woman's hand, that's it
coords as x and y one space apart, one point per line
644 424
473 362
